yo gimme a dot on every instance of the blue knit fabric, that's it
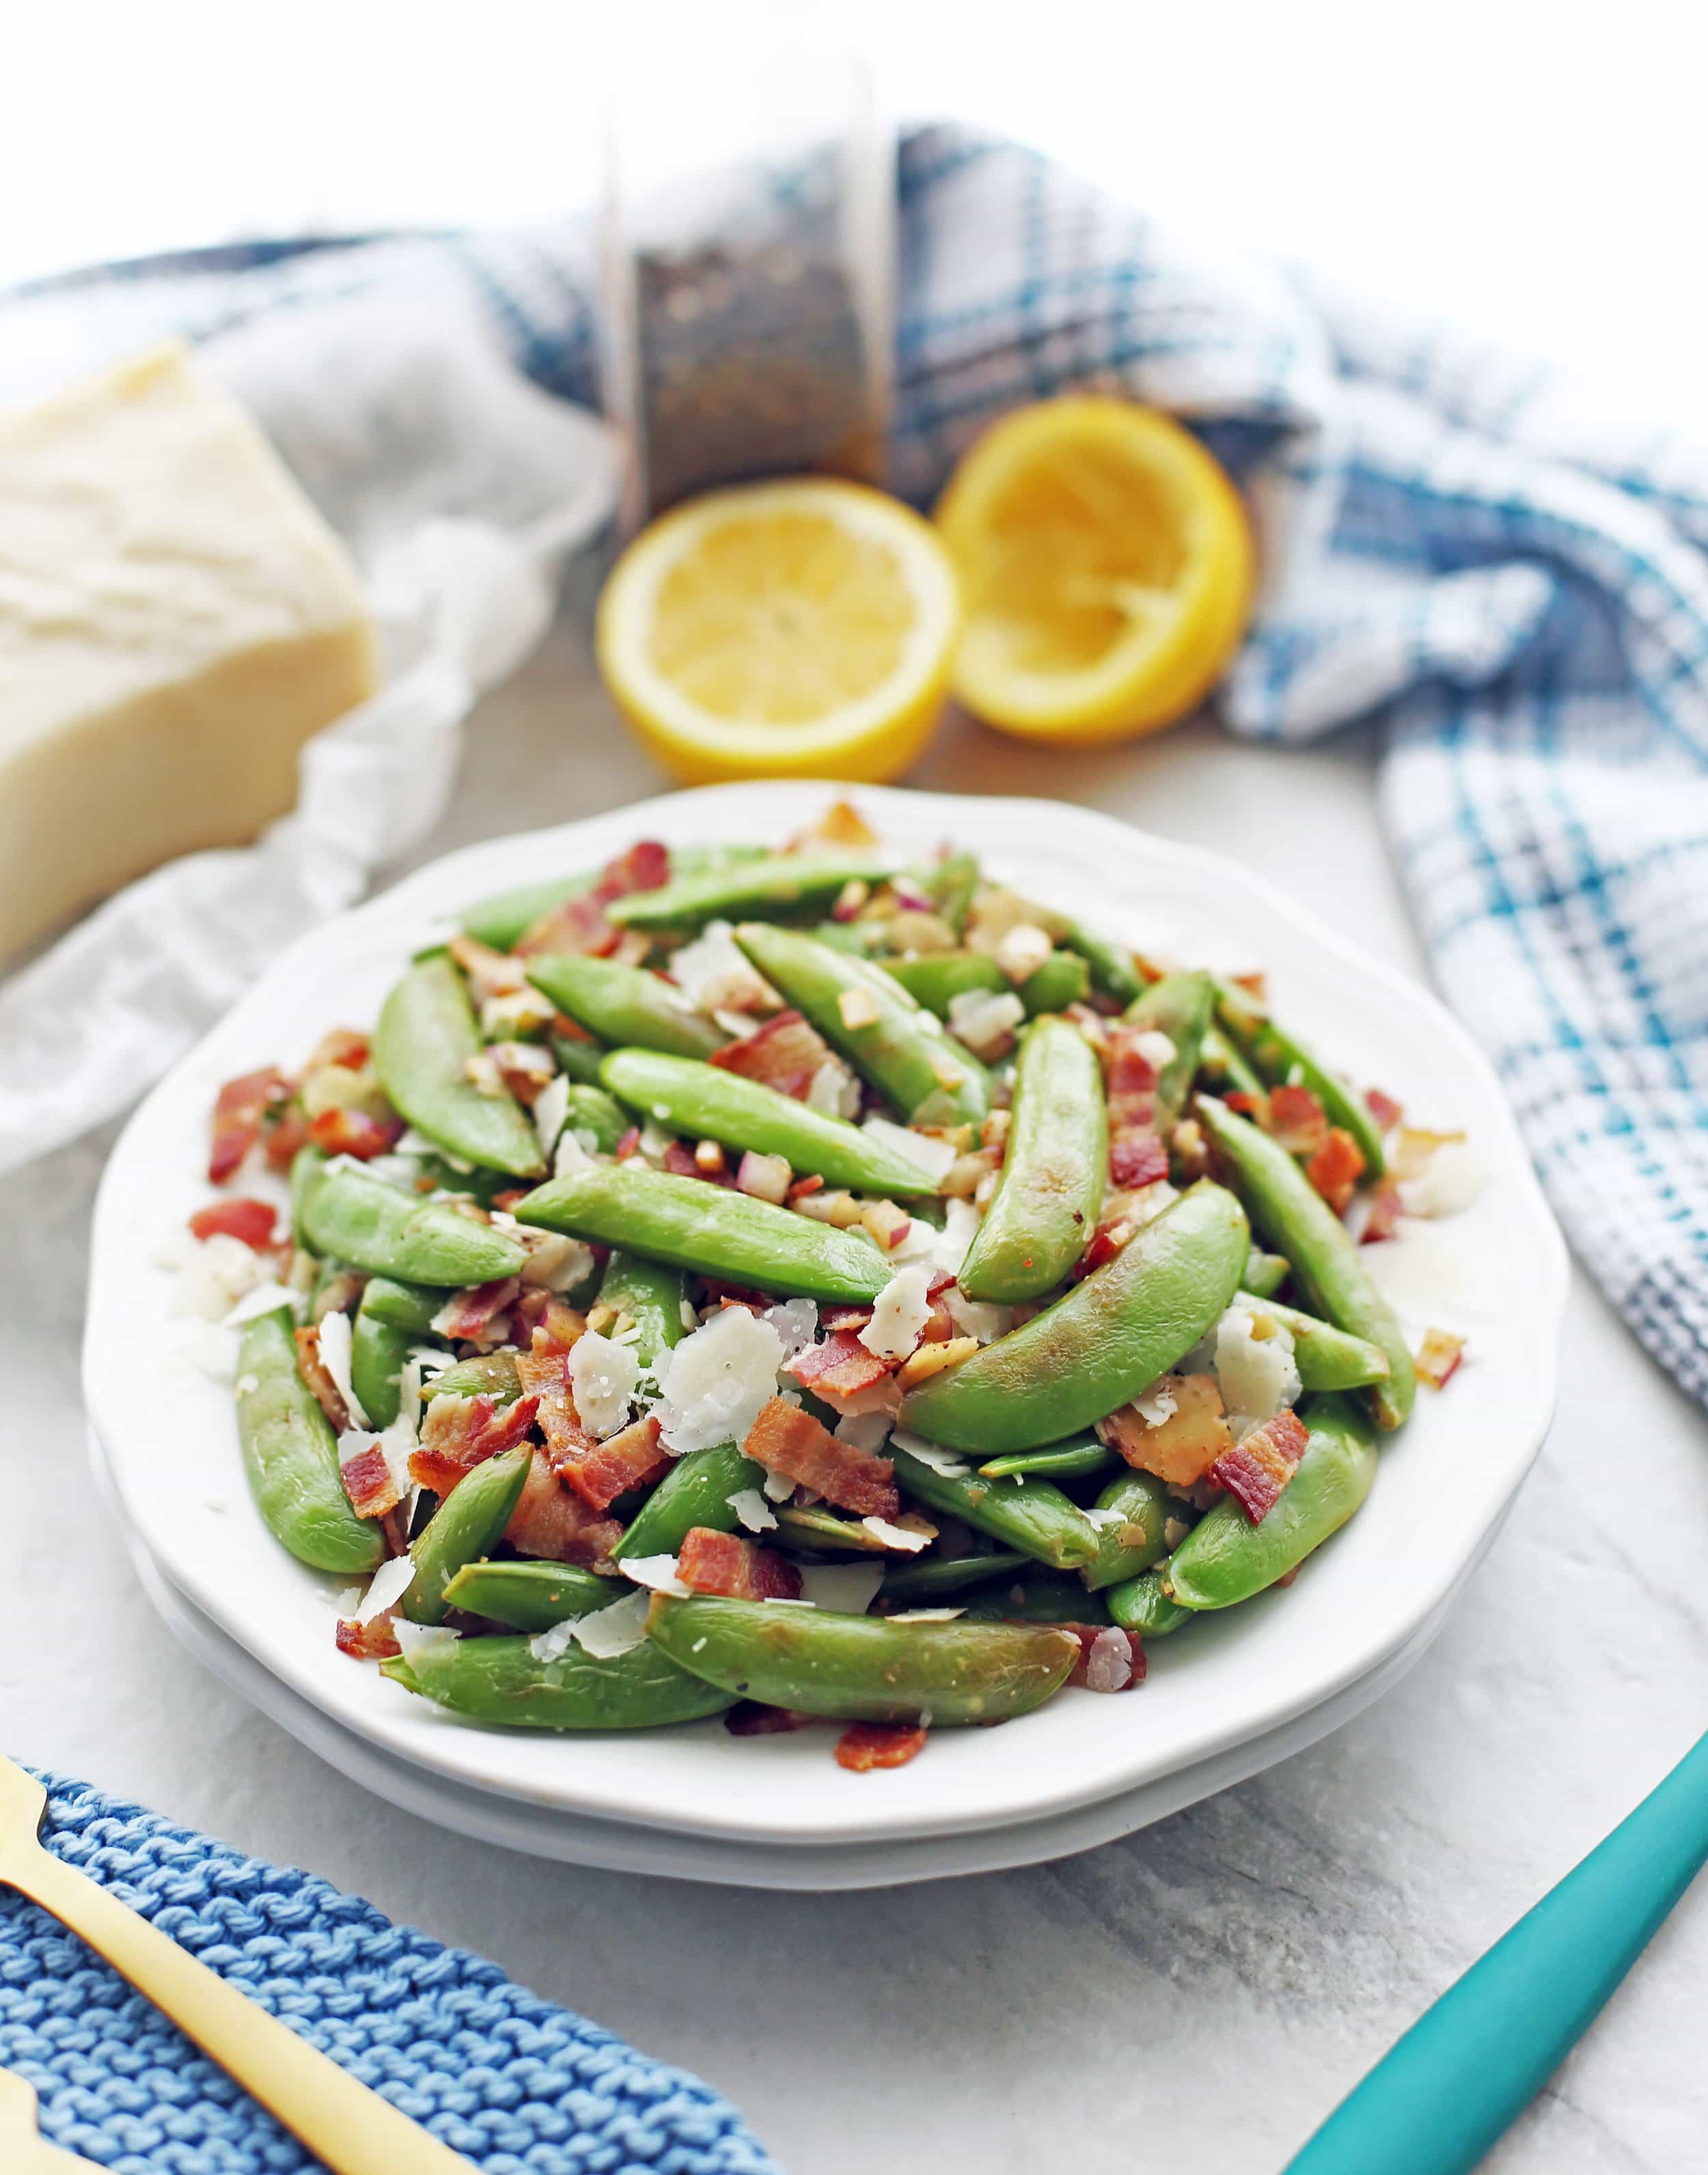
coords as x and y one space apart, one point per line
517 2085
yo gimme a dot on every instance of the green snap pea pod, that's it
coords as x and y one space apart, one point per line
1179 1006
467 1524
590 1111
529 1596
936 979
824 1532
950 888
775 884
696 1491
1137 1543
1113 972
1062 980
904 1052
1291 1215
379 1351
505 918
652 1296
1229 1065
403 1306
707 1228
427 1034
861 1668
629 1007
1031 1516
917 1585
580 1060
1328 1357
1053 1174
1038 1600
1265 1273
1140 1604
1281 1056
359 1219
290 1454
1082 1458
487 1374
1226 1558
1112 1335
501 1680
708 1103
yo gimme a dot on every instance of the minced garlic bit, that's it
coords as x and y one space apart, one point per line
899 1313
1022 951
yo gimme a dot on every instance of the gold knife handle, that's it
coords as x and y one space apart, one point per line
349 2128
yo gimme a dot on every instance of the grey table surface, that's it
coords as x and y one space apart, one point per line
1196 1996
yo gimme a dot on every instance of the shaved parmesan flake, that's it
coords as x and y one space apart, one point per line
431 1358
214 1274
778 1487
1103 1517
713 1385
943 1462
796 1323
569 1156
555 1262
209 1348
386 1588
1258 1376
1160 1406
418 1638
1022 951
926 1615
961 1221
897 1537
899 1313
848 1589
1450 1182
933 1157
1157 1048
334 1357
980 1318
551 1112
834 1090
864 1430
656 1573
715 973
609 1632
604 1376
751 1508
263 1299
984 1019
552 1644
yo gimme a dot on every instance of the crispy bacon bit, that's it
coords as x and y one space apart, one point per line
724 1563
1386 1209
1297 1120
628 1144
1254 1107
339 1045
1257 1469
787 1440
680 1160
600 1472
342 1131
1334 1170
368 1642
1186 1445
580 925
491 973
841 824
1191 1151
525 1069
543 1373
1438 1356
812 1183
869 1745
314 1372
1255 985
239 1109
368 1483
783 1053
283 1134
469 1316
851 1318
551 1521
1137 1160
1109 1660
1386 1112
250 1221
460 1432
1103 1244
1128 1068
750 1718
840 1365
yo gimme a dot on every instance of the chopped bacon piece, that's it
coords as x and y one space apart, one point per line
940 1325
347 1046
1109 1660
750 1718
783 1053
283 1135
1258 1468
579 925
1137 1160
250 1221
314 1372
841 824
469 1316
341 1132
1297 1120
841 1365
1386 1112
491 973
1255 985
526 1069
544 1373
368 1642
239 1109
1103 1244
646 866
368 1483
1386 1209
852 1318
1128 1066
600 1472
724 1563
1438 1354
628 1144
869 1745
1254 1107
680 1160
551 1521
1182 1448
787 1440
812 1183
460 1432
1334 1170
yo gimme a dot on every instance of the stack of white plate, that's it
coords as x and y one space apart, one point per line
1225 1697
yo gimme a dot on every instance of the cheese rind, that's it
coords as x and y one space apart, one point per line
175 620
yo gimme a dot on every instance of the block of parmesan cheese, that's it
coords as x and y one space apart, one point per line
175 620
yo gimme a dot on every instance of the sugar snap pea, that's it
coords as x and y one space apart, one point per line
344 1212
501 1680
483 1374
579 1058
629 1007
1054 1173
652 1297
820 1531
711 1105
290 1454
715 1233
427 1037
529 1596
1037 1597
1112 1335
504 919
1279 1056
1080 1457
1179 1006
1228 1066
391 1318
467 1524
936 978
937 1578
862 1668
1292 1216
1141 1604
1136 1542
1113 971
1265 1273
774 884
696 1491
591 1112
1328 1357
1225 1559
897 1046
403 1306
1031 1516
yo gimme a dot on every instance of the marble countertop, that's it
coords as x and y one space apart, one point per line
1196 1996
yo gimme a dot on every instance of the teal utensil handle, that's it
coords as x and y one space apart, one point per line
1441 2097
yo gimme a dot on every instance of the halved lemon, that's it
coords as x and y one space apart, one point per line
1107 566
798 629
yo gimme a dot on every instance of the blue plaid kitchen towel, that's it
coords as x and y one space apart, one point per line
1520 598
517 2087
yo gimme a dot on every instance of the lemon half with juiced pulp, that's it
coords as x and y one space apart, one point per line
1106 563
797 629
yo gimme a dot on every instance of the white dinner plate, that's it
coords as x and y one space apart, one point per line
1496 1272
